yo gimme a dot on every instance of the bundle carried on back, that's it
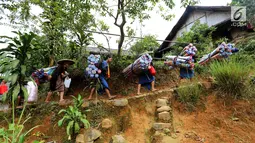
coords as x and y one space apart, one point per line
141 64
92 70
179 61
41 75
223 51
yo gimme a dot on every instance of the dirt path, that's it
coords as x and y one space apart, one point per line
139 130
218 123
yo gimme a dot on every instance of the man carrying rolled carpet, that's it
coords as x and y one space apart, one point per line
105 73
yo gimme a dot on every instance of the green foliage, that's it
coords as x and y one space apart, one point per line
186 3
14 133
148 43
13 66
200 34
128 9
189 95
73 117
246 45
202 70
61 20
58 18
159 65
78 101
219 41
119 63
231 77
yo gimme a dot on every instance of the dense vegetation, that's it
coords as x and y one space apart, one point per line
62 30
200 35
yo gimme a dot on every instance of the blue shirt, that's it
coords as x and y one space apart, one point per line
104 68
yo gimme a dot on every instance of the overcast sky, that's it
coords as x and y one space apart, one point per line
154 26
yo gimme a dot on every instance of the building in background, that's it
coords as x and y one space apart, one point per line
218 16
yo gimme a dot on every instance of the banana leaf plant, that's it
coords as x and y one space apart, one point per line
13 68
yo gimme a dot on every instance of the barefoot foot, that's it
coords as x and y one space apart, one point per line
111 97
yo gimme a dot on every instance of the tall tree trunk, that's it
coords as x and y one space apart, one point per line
121 26
122 38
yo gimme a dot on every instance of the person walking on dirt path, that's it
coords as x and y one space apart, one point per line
105 74
146 79
57 82
93 84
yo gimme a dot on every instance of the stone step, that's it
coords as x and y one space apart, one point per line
164 116
161 126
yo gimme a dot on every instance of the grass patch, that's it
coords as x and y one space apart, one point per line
189 95
231 78
203 71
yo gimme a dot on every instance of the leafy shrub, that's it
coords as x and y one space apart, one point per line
78 101
148 43
246 44
159 65
189 95
199 33
13 60
119 63
73 117
230 77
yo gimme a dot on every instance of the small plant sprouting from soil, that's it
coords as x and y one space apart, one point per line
73 118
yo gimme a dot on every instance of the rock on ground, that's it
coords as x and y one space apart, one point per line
106 123
120 102
91 135
118 139
161 102
161 126
165 116
164 108
80 138
160 137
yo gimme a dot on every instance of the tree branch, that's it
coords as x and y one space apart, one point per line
117 14
122 13
108 12
100 46
108 41
127 3
79 38
128 43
